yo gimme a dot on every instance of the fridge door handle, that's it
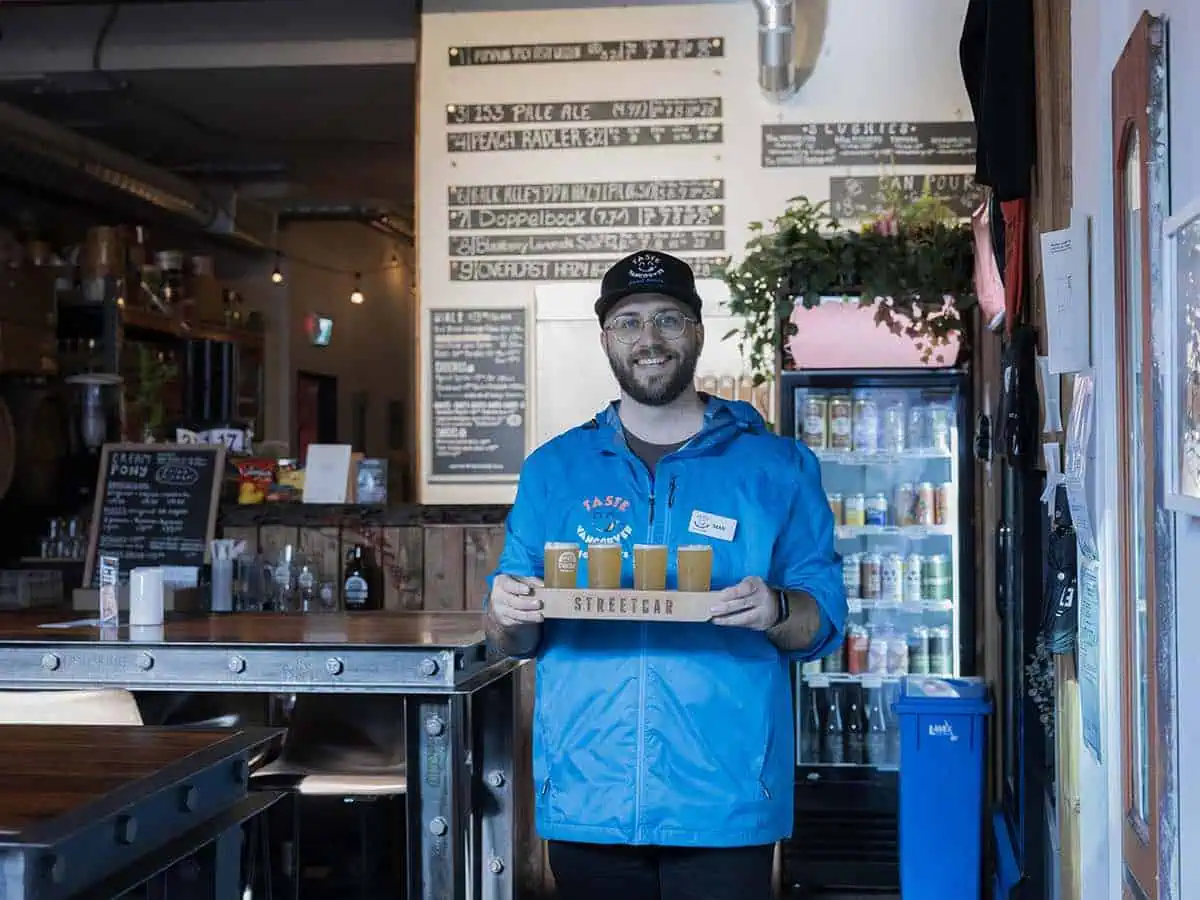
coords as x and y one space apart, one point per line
1003 545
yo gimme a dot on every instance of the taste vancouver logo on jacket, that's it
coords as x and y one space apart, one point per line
607 523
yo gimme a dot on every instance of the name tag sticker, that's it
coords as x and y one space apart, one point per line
711 525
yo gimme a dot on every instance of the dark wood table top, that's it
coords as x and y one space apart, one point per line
51 774
372 629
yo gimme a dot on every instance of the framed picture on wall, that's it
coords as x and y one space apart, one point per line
1182 288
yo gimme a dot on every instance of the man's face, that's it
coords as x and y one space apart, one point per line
653 359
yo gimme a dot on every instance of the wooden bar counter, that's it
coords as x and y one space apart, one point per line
460 710
91 812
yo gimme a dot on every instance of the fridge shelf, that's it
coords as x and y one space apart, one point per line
912 532
877 458
856 605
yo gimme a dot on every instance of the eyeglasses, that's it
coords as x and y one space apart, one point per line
628 328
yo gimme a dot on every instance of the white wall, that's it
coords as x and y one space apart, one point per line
892 61
1098 34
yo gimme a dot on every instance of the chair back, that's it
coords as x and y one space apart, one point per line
105 706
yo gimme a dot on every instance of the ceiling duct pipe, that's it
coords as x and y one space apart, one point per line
47 156
790 33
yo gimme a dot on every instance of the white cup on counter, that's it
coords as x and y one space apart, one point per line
146 596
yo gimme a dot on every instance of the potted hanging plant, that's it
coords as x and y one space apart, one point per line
913 263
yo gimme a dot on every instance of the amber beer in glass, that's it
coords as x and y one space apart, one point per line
562 565
649 567
604 566
695 568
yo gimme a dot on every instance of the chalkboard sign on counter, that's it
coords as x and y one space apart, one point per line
581 137
586 51
868 144
682 215
583 111
479 393
561 192
561 243
862 196
561 269
156 505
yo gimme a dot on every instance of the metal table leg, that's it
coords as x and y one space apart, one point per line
493 721
438 791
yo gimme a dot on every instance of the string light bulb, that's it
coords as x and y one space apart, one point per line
356 295
277 273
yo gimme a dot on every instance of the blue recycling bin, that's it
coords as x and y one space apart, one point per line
943 746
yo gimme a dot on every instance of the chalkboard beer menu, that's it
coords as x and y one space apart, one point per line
156 505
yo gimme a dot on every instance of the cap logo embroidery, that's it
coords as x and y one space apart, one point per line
646 268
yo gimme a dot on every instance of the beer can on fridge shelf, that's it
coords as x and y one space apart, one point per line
835 662
891 579
897 655
816 421
877 653
926 498
895 428
837 507
866 425
914 579
872 576
939 429
854 510
852 575
937 580
877 510
904 508
941 655
943 504
812 667
841 423
917 421
918 651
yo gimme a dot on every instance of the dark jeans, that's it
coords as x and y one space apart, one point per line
618 872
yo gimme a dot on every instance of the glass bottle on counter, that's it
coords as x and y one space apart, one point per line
879 739
358 587
811 733
855 724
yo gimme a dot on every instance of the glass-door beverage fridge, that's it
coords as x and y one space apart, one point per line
895 457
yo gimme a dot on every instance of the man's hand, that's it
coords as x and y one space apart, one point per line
512 604
748 604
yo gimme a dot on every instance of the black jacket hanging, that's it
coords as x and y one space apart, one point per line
1060 607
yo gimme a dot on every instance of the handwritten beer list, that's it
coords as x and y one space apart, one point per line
479 392
862 196
587 52
868 144
563 219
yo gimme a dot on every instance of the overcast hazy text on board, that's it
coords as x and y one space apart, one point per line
586 51
548 194
558 269
867 143
681 215
581 137
591 111
555 243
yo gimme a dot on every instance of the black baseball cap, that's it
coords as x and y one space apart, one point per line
648 272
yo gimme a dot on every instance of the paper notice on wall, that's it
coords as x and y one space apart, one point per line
1075 469
1065 256
1087 650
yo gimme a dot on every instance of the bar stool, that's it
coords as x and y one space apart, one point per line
350 747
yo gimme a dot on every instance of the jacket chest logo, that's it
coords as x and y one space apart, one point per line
605 520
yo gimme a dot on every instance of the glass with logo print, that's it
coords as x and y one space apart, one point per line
604 566
649 567
561 564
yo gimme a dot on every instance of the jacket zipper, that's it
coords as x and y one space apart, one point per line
641 719
670 496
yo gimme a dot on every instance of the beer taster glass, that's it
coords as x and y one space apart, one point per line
649 567
561 565
695 568
604 566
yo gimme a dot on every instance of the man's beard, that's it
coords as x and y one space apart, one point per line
660 388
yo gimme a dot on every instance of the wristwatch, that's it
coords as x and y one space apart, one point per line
785 608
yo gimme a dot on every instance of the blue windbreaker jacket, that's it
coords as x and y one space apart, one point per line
667 733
